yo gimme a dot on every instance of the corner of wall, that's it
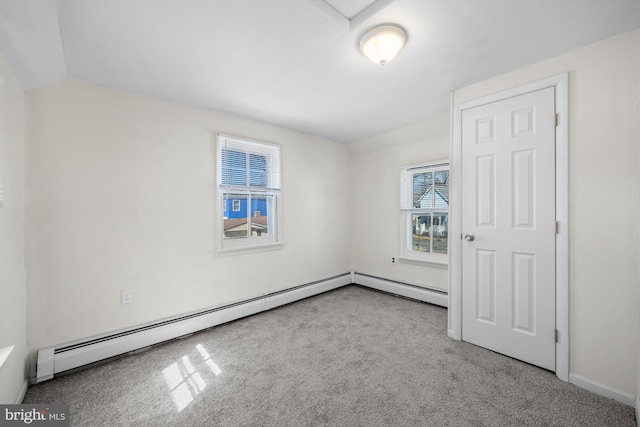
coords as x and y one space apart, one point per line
13 304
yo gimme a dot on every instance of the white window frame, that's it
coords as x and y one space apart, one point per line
407 211
271 191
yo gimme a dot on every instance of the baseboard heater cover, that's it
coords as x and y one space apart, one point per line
57 359
419 293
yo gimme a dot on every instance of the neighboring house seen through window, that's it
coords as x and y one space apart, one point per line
249 187
425 210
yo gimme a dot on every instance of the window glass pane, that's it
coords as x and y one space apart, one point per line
234 167
249 181
257 170
236 220
441 195
425 205
439 232
261 209
423 190
420 236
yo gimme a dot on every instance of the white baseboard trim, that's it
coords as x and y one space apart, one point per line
403 289
604 390
64 357
295 294
22 393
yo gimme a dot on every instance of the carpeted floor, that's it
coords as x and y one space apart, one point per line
350 357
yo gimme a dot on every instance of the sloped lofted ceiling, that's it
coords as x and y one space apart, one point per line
296 63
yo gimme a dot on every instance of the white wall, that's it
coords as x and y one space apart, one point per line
13 329
375 199
604 175
120 195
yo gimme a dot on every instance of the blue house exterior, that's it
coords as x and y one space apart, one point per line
237 208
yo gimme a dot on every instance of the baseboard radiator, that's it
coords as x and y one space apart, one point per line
58 359
61 358
419 293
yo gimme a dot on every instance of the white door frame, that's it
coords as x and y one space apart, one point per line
561 85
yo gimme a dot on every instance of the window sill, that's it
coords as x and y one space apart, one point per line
250 248
423 260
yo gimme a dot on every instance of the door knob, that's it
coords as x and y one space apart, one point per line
469 237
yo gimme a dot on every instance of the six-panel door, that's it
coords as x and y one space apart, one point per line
508 209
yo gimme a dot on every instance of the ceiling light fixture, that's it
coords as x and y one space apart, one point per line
381 44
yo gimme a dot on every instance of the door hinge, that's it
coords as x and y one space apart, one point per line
555 120
557 227
557 336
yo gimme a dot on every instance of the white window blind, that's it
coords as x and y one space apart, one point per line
248 164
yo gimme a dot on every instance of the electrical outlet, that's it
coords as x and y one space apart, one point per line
126 296
393 260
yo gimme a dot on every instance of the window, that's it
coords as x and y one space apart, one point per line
249 189
425 211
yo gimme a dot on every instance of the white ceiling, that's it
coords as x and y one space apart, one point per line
296 63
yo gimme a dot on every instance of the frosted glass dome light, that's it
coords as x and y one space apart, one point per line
382 44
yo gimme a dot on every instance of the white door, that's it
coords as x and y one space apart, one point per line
508 224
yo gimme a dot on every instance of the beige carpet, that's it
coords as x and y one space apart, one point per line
350 357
